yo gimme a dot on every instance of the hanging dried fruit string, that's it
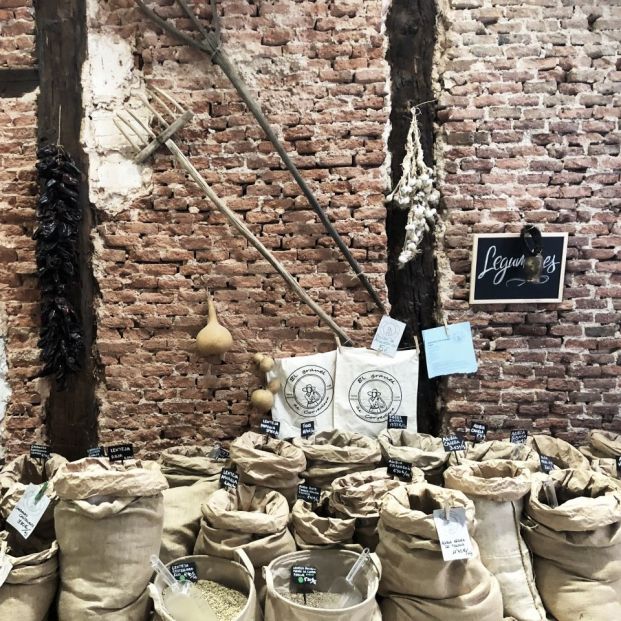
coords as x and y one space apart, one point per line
59 214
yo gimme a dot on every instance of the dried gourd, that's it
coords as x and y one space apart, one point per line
267 364
262 399
274 385
214 339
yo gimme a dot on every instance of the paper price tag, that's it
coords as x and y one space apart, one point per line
39 451
388 336
478 430
519 436
397 421
120 452
5 569
184 570
309 493
97 451
303 578
270 427
453 443
29 510
229 479
453 534
307 428
401 469
546 463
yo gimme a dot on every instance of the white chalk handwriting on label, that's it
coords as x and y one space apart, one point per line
453 534
497 265
29 510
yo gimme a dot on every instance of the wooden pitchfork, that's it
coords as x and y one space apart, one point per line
210 44
145 141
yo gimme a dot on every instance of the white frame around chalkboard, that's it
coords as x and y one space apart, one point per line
473 267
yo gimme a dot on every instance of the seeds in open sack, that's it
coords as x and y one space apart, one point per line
225 602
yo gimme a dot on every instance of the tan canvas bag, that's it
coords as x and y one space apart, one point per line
185 465
577 545
419 449
603 451
108 522
563 454
268 462
497 489
235 573
499 449
417 583
330 565
29 590
333 454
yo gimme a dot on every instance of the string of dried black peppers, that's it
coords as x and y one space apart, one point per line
59 214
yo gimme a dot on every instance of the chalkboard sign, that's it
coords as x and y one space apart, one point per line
184 570
39 451
546 463
120 452
307 428
619 467
397 421
519 436
401 469
96 451
229 479
270 427
309 493
303 578
453 443
497 273
478 430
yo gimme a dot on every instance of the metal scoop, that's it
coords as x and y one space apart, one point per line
350 595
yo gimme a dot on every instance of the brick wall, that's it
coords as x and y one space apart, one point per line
18 285
529 129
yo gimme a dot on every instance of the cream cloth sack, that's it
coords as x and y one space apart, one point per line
417 584
603 452
498 489
563 454
577 545
370 386
185 465
108 523
306 392
498 450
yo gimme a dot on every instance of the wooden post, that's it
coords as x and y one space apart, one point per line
71 414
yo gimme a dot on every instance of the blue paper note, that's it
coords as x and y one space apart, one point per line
449 350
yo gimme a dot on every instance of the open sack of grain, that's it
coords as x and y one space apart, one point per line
498 450
577 545
283 604
186 465
419 449
604 452
332 454
250 518
359 496
227 585
268 462
417 583
498 489
108 522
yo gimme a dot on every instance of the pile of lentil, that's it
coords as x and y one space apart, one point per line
226 603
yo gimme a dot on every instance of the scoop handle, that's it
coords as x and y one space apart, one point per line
550 491
357 566
165 574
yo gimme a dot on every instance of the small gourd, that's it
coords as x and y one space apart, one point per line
274 385
267 364
258 358
262 399
214 339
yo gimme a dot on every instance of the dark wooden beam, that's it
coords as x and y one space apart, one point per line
15 82
412 290
71 414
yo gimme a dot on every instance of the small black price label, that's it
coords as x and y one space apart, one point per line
546 463
453 443
223 453
185 571
309 493
397 421
229 479
270 427
619 466
401 469
478 430
120 452
39 451
519 436
96 451
303 578
307 428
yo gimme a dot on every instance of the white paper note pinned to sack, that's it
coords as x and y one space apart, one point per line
453 533
29 510
388 336
449 349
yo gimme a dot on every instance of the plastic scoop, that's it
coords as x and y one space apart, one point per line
350 595
178 598
550 491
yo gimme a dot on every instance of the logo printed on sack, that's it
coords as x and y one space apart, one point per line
309 390
374 396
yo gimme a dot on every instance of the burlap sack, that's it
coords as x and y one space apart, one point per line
182 517
330 565
603 452
360 496
14 478
497 489
109 523
316 527
251 518
235 573
577 545
419 449
417 583
498 449
185 465
268 462
29 590
563 454
333 454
